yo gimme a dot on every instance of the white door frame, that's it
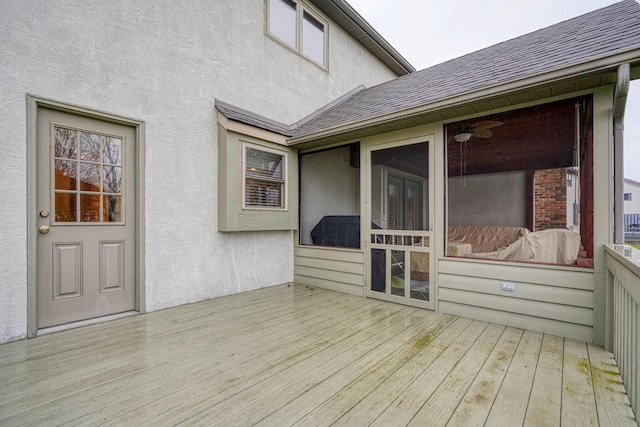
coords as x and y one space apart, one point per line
33 103
384 143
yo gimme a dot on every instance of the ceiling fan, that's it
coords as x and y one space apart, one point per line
481 129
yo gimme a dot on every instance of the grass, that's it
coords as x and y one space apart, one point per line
635 245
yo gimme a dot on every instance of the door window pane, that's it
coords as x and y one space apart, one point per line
65 206
66 143
112 151
112 179
89 208
89 147
65 175
112 208
89 177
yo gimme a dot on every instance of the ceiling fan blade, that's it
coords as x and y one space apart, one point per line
486 124
482 133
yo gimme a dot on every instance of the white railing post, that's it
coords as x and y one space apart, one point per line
622 331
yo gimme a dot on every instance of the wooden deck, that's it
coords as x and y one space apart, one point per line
294 355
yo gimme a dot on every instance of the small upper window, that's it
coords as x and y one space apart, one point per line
264 178
299 28
282 20
312 38
627 196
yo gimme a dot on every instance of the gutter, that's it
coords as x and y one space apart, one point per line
593 66
619 105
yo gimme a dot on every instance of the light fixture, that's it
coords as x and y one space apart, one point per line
462 136
463 133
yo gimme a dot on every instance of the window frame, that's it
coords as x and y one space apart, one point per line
78 191
627 197
301 10
283 181
335 209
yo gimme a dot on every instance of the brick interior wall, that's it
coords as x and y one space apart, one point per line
550 190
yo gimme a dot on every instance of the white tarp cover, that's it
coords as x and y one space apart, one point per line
555 246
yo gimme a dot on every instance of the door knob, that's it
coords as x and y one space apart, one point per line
44 229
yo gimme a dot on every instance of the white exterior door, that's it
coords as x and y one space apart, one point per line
85 217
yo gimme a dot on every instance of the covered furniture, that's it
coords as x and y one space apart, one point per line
337 230
485 238
553 246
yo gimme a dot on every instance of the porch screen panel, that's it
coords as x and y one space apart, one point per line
330 197
520 187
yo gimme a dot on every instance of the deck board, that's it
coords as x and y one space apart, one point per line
294 355
510 406
477 402
546 394
259 402
578 399
443 402
408 403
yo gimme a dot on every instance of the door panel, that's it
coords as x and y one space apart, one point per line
86 218
112 271
67 270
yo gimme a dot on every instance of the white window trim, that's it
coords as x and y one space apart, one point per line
301 9
285 177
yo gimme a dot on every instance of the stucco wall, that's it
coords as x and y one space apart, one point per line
162 62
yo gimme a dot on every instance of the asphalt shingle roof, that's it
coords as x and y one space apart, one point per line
604 32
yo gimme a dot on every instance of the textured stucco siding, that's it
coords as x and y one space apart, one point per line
162 62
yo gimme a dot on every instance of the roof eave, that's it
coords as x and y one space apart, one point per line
358 28
575 71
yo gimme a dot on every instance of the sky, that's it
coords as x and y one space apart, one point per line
428 32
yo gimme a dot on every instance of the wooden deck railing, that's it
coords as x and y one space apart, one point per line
623 315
